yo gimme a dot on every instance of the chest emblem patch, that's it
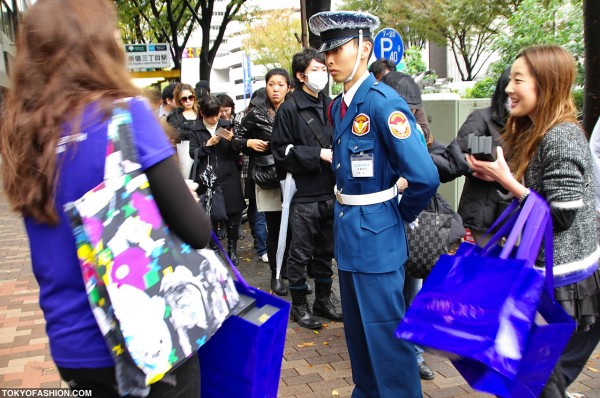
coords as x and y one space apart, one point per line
399 126
361 124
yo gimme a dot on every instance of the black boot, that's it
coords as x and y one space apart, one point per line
213 246
325 302
301 310
309 290
232 238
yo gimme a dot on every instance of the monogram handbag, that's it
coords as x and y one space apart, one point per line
439 228
155 299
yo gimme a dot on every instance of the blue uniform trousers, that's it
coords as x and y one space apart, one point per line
383 366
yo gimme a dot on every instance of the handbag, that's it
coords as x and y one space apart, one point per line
156 300
243 359
433 237
185 161
492 311
264 173
213 202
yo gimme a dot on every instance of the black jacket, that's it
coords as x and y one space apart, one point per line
314 177
449 160
184 127
223 158
480 202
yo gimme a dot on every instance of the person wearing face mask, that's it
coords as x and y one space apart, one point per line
304 150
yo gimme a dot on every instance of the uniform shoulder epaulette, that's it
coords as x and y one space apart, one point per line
384 89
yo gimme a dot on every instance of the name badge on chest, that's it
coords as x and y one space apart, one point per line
362 164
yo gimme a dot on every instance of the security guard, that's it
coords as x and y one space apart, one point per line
375 142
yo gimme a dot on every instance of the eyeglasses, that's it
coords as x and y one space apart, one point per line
186 99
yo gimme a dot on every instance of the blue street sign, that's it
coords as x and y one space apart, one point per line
247 75
388 44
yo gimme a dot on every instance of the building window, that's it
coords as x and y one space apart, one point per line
8 19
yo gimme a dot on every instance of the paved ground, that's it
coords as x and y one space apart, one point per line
314 364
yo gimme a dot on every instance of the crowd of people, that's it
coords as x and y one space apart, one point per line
350 158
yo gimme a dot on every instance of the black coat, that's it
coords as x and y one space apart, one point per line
314 177
449 160
184 127
481 202
223 157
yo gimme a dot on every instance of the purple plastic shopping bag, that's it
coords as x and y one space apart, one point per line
492 311
243 359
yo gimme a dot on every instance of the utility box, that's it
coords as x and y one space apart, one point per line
445 114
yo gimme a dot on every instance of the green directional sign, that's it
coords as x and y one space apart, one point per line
136 48
147 56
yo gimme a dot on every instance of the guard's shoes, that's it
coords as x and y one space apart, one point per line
301 314
278 287
425 372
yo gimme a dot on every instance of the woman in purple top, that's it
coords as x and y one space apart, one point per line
67 75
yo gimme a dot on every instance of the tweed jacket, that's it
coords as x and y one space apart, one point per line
561 172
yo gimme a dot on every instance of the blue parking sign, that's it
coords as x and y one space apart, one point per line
388 44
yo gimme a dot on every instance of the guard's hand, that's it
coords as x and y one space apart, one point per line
402 184
327 155
258 145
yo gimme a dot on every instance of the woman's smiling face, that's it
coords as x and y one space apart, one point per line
522 90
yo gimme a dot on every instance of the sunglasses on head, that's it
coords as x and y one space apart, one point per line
186 99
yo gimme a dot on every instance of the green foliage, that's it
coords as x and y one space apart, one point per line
542 22
578 96
414 61
482 89
336 88
467 27
272 39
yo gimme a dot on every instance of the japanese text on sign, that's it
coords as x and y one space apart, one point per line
144 56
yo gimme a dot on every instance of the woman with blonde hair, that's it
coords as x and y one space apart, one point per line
53 151
186 118
549 154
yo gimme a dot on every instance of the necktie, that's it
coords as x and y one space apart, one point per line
344 108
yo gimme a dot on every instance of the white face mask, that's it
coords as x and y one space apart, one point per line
316 81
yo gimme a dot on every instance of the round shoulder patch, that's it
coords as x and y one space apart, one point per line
399 126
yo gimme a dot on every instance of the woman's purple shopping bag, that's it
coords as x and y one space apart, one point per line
492 311
243 359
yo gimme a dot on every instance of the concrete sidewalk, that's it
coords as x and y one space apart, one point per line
315 364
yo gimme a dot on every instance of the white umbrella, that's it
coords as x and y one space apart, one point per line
288 189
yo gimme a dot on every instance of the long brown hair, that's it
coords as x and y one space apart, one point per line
554 71
68 55
180 88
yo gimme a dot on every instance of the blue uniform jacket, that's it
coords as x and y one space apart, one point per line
378 123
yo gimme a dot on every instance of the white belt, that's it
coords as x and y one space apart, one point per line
366 199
